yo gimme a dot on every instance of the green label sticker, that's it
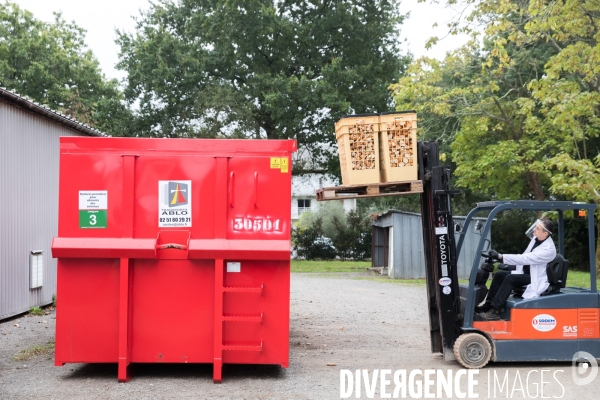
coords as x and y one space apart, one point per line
92 218
93 205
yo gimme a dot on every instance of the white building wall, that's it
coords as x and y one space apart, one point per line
305 188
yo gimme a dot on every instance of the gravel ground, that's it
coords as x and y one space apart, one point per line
349 320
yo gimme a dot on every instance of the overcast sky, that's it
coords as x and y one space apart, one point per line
101 18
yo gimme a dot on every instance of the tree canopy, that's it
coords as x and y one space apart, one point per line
262 69
520 103
49 63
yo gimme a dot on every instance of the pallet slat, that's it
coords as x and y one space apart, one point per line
370 190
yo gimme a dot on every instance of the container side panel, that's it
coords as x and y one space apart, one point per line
273 305
172 307
150 169
87 319
259 199
88 173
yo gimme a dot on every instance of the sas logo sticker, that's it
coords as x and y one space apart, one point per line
570 331
543 322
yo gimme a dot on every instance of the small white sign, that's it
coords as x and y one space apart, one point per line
93 200
444 269
234 267
441 230
447 290
174 204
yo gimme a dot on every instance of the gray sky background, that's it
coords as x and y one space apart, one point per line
101 18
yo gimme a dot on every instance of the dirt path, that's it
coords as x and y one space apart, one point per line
335 319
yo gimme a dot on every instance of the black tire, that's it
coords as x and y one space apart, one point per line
472 350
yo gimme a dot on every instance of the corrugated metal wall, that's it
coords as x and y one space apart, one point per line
409 260
29 156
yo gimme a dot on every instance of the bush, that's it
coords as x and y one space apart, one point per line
330 232
310 243
508 231
508 236
577 247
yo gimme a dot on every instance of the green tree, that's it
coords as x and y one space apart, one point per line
475 103
49 63
262 69
569 94
553 48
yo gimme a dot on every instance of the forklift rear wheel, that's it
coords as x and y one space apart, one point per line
472 350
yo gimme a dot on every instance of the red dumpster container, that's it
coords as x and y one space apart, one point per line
173 251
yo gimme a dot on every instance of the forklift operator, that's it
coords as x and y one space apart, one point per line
517 270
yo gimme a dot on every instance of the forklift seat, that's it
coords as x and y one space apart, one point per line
557 277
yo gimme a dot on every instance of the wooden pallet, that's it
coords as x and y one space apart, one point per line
370 190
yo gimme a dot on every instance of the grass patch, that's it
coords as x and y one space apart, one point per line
33 351
36 311
574 278
329 266
580 279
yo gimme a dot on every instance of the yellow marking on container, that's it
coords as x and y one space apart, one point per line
275 162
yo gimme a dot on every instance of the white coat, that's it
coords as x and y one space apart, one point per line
537 260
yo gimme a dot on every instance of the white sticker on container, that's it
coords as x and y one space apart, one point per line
234 267
174 204
93 200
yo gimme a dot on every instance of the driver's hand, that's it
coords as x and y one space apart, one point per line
505 267
494 255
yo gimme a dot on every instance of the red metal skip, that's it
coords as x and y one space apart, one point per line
173 251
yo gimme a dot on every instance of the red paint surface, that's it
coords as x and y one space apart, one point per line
134 292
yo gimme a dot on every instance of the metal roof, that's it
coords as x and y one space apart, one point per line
43 111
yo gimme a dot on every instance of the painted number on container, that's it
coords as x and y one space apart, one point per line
256 225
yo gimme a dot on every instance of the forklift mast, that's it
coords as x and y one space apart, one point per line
441 272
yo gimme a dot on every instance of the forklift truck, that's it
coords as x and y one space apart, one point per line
552 327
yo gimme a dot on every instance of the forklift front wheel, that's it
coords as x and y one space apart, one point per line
472 350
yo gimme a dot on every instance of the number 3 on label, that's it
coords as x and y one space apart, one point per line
92 219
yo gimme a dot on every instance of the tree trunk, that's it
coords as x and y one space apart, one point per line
535 186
